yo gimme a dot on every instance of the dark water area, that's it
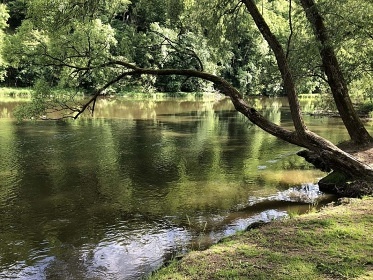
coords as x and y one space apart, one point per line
114 196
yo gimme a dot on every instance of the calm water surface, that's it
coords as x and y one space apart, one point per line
115 196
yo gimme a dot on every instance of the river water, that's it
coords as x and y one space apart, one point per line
116 195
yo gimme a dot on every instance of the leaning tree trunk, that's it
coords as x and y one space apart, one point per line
336 80
335 157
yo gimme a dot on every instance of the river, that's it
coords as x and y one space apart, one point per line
116 195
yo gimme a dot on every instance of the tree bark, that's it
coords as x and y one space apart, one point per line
336 80
282 63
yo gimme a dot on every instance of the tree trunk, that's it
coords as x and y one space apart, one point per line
282 63
335 157
336 80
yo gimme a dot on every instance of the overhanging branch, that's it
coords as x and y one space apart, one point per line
226 88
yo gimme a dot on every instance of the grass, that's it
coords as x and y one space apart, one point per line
15 92
134 93
335 243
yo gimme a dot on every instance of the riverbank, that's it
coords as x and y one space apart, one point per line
335 243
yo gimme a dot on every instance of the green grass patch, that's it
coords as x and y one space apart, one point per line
335 243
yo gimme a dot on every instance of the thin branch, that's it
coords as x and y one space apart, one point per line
99 92
358 26
291 30
230 11
179 50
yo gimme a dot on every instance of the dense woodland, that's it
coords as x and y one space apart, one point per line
216 36
238 48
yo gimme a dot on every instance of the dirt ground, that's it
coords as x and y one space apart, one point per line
364 154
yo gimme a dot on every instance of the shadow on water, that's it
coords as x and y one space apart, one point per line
115 196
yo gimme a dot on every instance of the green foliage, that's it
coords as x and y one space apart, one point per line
37 107
4 15
17 12
16 92
65 43
68 39
57 14
353 42
148 12
366 108
350 30
325 103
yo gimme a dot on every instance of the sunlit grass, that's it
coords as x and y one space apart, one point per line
334 244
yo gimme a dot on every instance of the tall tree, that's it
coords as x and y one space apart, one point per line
336 79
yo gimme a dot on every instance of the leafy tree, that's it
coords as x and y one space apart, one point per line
335 76
86 39
354 43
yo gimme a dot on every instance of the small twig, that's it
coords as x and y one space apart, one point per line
291 30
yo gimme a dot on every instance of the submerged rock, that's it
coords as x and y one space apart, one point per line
341 185
333 182
256 225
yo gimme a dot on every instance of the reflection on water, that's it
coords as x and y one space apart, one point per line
113 197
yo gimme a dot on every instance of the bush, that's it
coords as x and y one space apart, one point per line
365 108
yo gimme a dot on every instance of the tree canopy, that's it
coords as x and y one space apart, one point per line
185 34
